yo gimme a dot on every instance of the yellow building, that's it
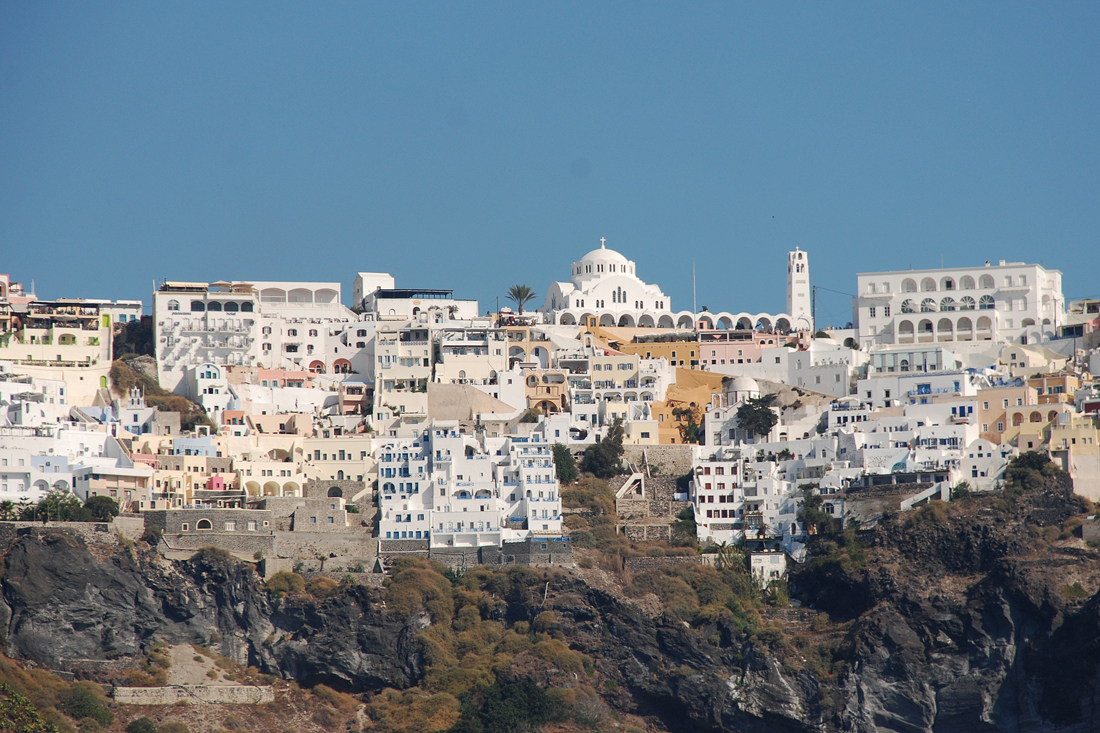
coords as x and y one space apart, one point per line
1001 408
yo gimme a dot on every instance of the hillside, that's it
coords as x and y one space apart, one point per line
978 615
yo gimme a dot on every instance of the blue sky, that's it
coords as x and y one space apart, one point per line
473 146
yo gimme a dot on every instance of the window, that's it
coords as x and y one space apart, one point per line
886 311
251 526
871 312
173 305
231 526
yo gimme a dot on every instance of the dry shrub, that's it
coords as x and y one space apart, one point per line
174 726
545 621
322 587
1070 527
339 700
561 656
418 582
413 712
284 582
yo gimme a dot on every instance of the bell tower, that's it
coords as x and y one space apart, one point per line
799 305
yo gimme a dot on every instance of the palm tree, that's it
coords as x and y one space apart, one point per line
521 295
7 509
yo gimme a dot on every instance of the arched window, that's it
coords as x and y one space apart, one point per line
947 304
947 284
204 524
214 306
335 491
928 306
1017 420
908 285
173 305
986 282
1035 417
907 306
966 303
197 306
966 283
927 285
904 365
986 303
246 307
231 307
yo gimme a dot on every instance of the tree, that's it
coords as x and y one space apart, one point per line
690 429
812 514
7 509
565 464
521 295
103 508
61 506
604 459
755 415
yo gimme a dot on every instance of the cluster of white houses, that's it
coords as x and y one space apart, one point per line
442 419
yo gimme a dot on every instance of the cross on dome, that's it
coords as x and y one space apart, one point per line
602 240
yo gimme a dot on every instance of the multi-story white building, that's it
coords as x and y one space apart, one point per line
1004 302
457 490
278 325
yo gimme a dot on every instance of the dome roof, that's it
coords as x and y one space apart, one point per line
744 384
604 255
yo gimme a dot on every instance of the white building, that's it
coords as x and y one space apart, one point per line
368 282
1004 302
278 325
404 303
456 490
604 285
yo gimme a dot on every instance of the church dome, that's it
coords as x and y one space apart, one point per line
744 384
604 256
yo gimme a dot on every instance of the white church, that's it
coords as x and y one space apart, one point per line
604 284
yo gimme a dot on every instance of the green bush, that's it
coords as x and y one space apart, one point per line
86 700
141 725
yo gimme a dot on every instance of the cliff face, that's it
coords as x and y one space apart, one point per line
977 618
63 608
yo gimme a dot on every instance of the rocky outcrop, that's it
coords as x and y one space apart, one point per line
63 608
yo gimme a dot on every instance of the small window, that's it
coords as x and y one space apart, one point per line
186 527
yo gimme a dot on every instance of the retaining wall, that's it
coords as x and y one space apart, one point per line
225 694
642 564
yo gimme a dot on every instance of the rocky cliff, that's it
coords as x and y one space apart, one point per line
978 616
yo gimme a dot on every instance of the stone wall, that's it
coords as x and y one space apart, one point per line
348 488
182 521
647 532
343 548
226 694
93 533
538 551
464 557
398 547
643 564
669 460
241 544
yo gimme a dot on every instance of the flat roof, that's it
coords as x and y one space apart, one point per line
990 266
403 293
